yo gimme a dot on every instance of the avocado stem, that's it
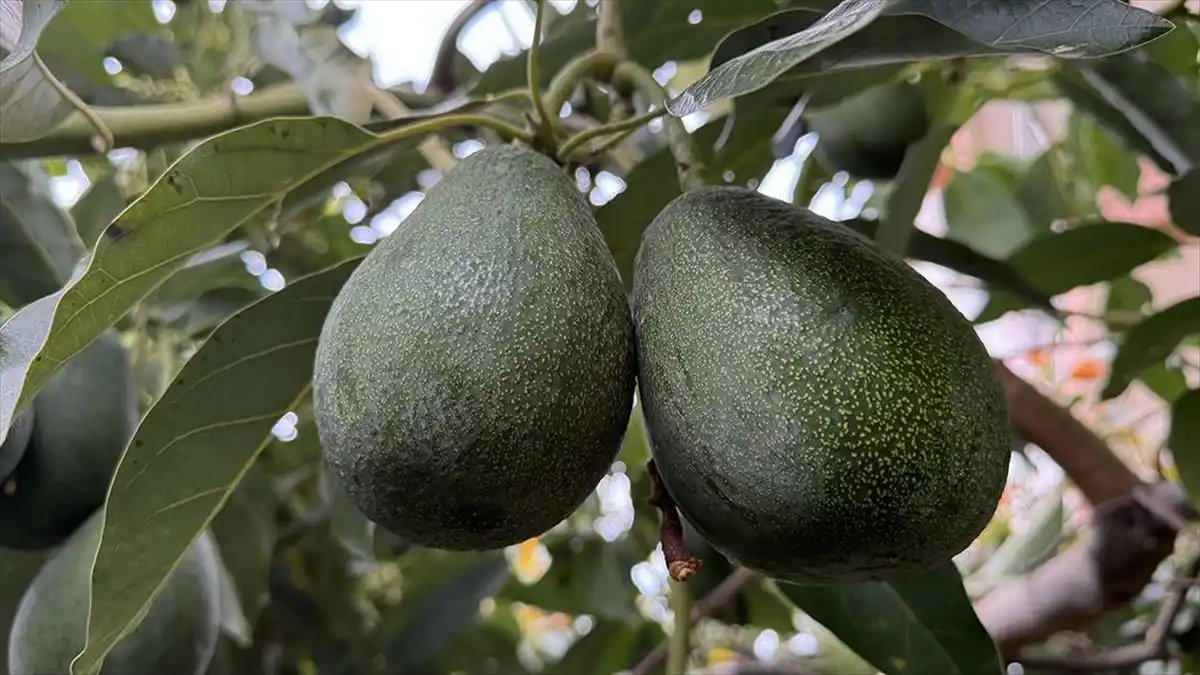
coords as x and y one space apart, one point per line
546 118
680 565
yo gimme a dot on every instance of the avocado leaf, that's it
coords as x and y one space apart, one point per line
429 621
921 624
195 445
220 184
1150 342
1086 254
833 41
1184 442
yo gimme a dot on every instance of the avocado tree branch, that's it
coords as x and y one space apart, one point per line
148 126
610 36
1110 567
1153 646
442 76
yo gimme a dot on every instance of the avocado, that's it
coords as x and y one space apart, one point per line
12 449
867 135
82 419
178 634
819 411
475 374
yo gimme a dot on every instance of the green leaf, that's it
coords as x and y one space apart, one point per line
219 266
1166 383
742 63
755 70
655 32
38 244
1157 105
98 207
83 31
1043 189
953 255
1086 99
1151 342
605 649
1087 254
443 612
1127 295
1183 199
1184 442
196 443
1099 28
217 186
31 101
921 624
1100 159
983 212
245 532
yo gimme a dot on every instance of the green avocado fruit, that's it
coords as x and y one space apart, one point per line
82 419
15 443
178 634
475 375
819 411
867 135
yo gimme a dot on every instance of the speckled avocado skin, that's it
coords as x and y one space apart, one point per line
178 635
475 375
818 410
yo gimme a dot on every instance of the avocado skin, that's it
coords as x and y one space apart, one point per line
83 418
15 443
818 410
868 135
178 635
475 375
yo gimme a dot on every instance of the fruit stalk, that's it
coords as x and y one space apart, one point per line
545 120
679 563
690 168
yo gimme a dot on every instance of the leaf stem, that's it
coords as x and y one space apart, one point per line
434 149
545 120
610 36
597 64
436 124
688 164
580 139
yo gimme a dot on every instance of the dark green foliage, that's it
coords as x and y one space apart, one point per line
83 418
178 634
867 135
475 375
815 405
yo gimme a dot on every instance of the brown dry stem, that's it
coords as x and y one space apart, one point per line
681 565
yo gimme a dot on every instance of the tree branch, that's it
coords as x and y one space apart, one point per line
1108 569
442 77
148 126
1154 646
725 593
1098 473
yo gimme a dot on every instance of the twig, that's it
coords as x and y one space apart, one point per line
443 77
679 563
610 36
148 126
1087 460
434 149
545 119
725 593
688 164
582 138
679 646
1153 646
598 64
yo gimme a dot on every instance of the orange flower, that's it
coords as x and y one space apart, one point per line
1087 369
